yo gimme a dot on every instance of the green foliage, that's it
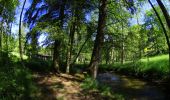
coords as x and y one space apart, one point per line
105 91
16 83
90 84
39 65
152 67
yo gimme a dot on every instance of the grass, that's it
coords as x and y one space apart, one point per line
152 67
158 63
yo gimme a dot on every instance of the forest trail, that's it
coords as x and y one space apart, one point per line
61 87
68 87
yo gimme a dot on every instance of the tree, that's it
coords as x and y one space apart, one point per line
165 12
19 35
57 43
96 55
164 30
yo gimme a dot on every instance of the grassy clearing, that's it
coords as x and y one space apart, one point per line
152 67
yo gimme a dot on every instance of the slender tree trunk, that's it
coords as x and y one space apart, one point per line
164 30
72 34
81 48
96 55
68 57
34 42
112 56
57 43
70 48
6 39
20 36
140 39
165 12
122 47
1 36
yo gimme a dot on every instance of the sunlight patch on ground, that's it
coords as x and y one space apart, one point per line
133 83
62 87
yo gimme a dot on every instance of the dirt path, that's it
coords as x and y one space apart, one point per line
60 87
67 87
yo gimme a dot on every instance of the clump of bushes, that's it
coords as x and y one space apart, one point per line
39 65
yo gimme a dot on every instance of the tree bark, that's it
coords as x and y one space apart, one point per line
122 47
96 55
57 42
20 36
70 48
1 36
164 30
34 42
72 34
165 12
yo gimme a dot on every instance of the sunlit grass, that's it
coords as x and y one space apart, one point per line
18 55
159 63
156 67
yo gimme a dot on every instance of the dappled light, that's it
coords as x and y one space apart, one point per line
132 88
84 50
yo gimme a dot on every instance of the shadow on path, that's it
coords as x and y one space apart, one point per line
61 87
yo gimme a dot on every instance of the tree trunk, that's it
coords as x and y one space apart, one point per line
1 36
122 47
165 12
80 50
70 48
71 37
112 56
164 30
20 36
57 43
140 39
96 55
34 42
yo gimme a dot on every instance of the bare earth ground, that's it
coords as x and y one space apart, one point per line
62 87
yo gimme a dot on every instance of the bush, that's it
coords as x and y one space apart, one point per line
16 83
39 65
105 91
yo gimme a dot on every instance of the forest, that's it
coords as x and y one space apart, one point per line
84 49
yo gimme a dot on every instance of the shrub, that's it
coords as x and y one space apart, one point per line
16 83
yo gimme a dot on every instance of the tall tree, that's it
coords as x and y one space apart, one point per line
164 30
57 42
165 12
20 36
96 55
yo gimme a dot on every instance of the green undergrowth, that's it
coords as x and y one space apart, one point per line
153 67
16 81
103 91
39 65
